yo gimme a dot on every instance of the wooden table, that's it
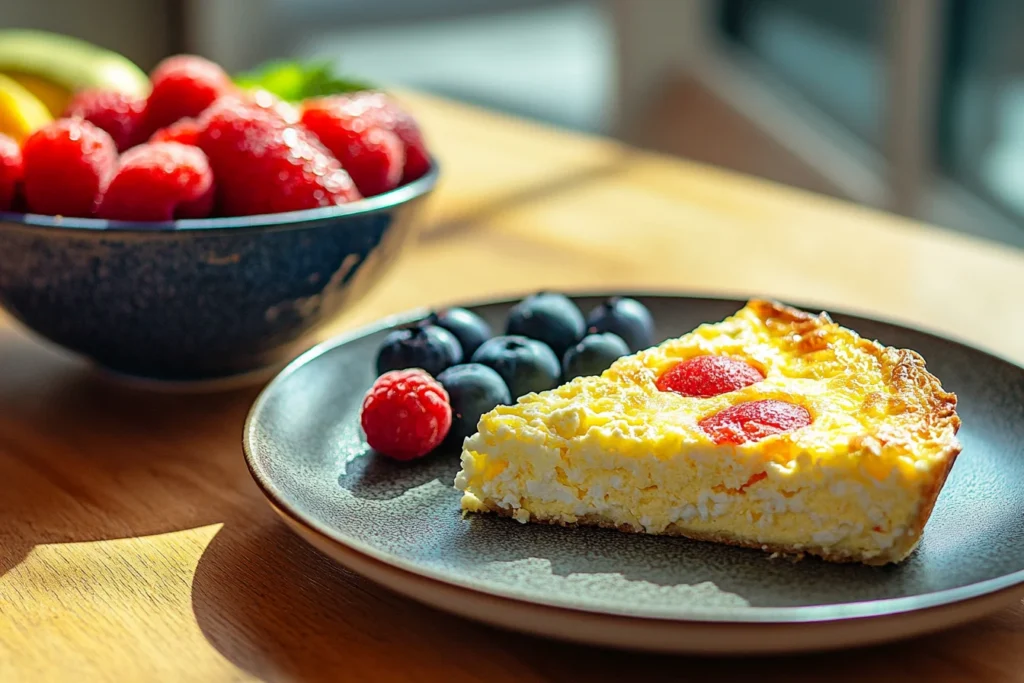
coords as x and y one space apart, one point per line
135 547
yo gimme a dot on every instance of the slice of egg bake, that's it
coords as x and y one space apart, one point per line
773 429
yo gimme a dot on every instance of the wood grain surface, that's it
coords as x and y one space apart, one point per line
135 547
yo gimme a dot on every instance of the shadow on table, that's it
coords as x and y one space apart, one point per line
84 459
280 610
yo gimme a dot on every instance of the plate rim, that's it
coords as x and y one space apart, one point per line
637 632
748 616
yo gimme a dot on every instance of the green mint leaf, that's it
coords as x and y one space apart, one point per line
295 81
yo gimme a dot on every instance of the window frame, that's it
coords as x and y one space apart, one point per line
902 176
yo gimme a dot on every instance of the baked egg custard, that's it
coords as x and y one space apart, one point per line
773 429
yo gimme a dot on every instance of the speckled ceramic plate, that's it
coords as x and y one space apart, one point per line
400 524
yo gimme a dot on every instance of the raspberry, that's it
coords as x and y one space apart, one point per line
263 165
159 181
120 114
386 113
754 420
10 172
372 155
185 131
68 165
706 376
183 86
406 414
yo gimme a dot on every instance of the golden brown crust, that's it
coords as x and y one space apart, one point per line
774 312
807 333
912 388
931 494
904 371
676 530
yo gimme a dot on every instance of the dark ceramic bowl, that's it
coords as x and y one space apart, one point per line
199 299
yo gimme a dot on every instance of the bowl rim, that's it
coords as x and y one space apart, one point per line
387 200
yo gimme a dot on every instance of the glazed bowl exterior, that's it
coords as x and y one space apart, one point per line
193 300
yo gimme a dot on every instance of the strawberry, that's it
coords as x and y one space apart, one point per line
373 155
264 165
158 181
265 99
185 131
754 420
392 115
183 86
384 111
11 170
68 165
707 376
120 114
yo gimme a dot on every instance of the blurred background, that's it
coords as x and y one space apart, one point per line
915 106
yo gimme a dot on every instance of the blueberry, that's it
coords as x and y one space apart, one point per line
474 389
526 365
593 355
425 346
625 317
470 329
551 318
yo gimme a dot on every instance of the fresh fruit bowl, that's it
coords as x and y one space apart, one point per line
199 299
189 224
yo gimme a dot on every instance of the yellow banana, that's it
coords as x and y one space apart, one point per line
21 112
68 62
55 96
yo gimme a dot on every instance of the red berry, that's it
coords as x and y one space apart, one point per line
68 165
706 376
385 112
372 155
183 86
200 207
159 181
271 102
120 114
754 420
263 165
406 414
417 158
11 170
185 131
